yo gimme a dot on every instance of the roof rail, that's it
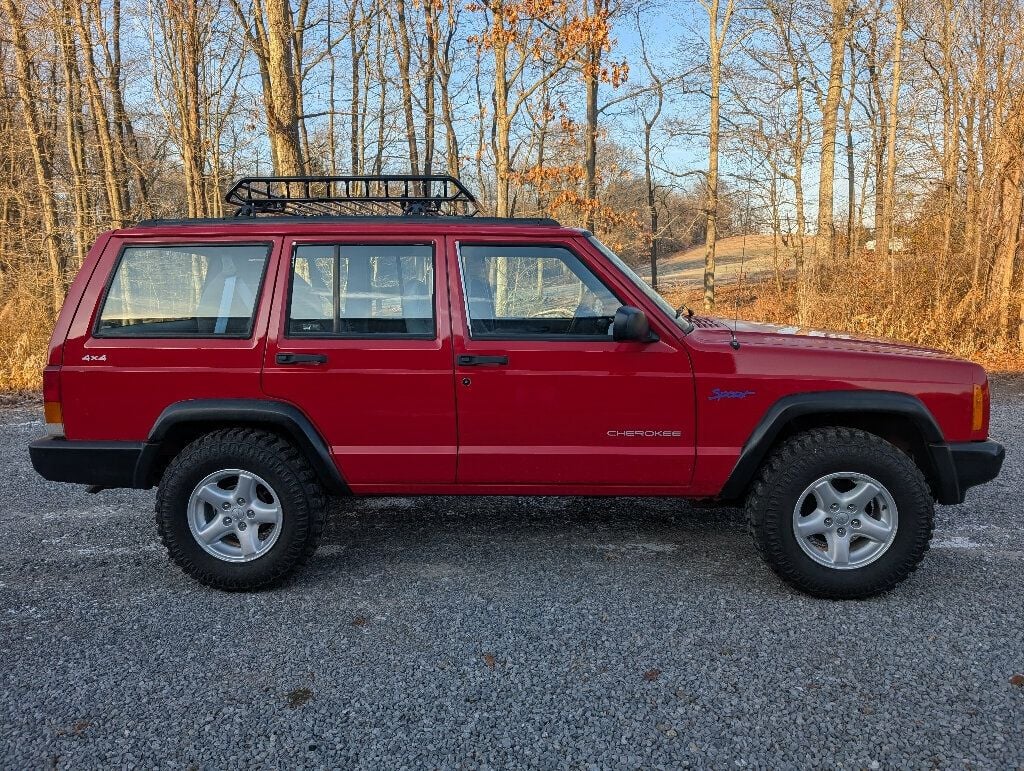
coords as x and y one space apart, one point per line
430 195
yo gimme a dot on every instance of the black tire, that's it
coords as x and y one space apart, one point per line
302 500
806 457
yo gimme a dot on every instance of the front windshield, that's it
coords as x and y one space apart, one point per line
642 285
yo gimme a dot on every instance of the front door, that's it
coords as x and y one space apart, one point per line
545 396
360 341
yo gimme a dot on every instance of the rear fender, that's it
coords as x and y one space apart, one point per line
184 421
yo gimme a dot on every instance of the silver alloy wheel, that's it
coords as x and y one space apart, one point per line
845 520
235 515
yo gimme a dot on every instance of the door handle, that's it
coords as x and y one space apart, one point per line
301 358
465 360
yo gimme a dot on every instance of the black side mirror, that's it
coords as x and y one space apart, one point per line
631 324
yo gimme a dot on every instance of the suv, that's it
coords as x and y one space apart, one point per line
369 336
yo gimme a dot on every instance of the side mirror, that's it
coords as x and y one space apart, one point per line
631 324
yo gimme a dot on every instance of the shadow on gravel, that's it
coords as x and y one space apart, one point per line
467 534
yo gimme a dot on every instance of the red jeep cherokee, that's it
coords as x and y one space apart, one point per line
250 367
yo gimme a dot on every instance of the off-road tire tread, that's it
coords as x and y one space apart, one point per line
785 463
301 484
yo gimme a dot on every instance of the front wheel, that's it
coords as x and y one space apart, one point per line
841 513
240 509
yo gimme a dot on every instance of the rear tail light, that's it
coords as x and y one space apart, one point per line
979 407
53 415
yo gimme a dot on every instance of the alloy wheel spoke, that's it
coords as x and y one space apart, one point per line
812 524
246 488
874 529
265 513
249 540
825 494
214 531
860 496
215 496
838 549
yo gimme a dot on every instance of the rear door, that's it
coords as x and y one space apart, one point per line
360 341
546 398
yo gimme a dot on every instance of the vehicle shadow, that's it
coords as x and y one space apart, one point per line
464 530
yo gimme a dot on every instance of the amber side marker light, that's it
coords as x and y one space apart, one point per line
54 418
978 413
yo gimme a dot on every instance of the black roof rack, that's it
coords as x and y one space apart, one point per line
433 195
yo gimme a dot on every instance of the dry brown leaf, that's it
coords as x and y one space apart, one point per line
298 697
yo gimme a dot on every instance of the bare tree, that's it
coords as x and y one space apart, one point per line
40 155
269 32
840 24
718 30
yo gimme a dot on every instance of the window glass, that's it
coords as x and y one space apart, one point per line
354 291
184 291
528 291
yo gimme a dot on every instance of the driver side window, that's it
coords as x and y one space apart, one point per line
533 292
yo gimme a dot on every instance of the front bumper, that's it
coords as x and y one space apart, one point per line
962 465
977 462
103 464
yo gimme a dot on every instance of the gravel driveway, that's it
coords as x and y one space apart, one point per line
472 633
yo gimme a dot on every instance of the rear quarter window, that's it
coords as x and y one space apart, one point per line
184 290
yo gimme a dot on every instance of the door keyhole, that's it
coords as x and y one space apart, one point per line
466 381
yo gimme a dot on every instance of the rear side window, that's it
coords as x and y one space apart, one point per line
184 290
343 290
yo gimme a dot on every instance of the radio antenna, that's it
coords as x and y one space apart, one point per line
743 253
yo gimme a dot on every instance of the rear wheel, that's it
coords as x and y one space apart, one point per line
841 513
240 509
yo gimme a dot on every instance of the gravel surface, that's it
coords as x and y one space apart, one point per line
477 633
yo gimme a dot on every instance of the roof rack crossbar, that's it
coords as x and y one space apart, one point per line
433 195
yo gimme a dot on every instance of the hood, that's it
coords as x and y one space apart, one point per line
775 334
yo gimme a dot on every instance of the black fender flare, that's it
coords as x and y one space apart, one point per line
942 473
216 413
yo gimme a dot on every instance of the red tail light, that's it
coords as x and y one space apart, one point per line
53 414
980 410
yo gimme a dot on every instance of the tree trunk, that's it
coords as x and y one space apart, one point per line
283 105
716 39
502 121
101 122
401 40
888 192
591 82
429 74
839 33
851 184
74 130
29 96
